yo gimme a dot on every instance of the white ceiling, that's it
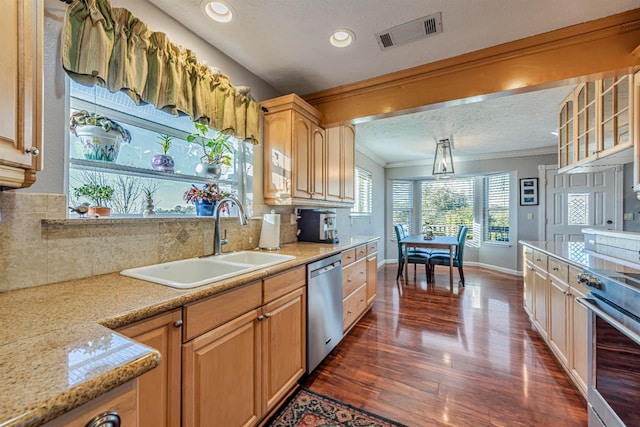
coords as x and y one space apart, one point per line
286 43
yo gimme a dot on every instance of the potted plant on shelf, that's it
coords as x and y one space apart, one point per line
163 162
99 195
217 151
100 136
204 198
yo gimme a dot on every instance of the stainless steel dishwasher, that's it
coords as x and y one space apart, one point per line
324 308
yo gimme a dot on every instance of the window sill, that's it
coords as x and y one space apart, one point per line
497 244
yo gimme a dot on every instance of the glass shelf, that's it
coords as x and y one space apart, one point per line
83 164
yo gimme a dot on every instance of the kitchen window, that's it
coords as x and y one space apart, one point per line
364 190
496 212
131 175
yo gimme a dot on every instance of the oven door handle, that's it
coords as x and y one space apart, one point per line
588 303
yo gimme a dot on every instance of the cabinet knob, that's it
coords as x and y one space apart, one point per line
260 317
107 419
267 315
33 151
178 323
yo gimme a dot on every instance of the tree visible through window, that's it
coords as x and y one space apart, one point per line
447 204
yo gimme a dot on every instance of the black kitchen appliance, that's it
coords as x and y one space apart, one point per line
614 354
316 225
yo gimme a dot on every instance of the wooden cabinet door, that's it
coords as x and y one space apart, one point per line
334 162
277 155
540 296
558 319
159 389
579 340
349 163
318 163
372 278
283 346
302 149
21 89
221 375
528 288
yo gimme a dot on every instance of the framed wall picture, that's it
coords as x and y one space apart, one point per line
528 191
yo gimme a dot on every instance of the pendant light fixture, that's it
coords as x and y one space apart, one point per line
443 160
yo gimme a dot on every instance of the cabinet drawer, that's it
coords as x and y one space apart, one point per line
528 253
348 256
203 316
353 276
281 284
361 251
540 260
559 269
372 248
354 306
573 281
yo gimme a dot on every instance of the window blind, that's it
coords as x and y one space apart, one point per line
496 208
402 200
364 191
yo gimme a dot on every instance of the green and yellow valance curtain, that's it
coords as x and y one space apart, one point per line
109 47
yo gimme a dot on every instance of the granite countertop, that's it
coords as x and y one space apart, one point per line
57 346
575 254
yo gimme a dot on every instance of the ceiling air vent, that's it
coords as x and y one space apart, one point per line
410 31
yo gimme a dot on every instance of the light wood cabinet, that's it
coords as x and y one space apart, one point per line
372 272
540 292
302 165
21 89
595 125
340 142
528 288
354 285
221 375
159 389
121 400
283 346
252 355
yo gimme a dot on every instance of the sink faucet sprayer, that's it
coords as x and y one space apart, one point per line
217 243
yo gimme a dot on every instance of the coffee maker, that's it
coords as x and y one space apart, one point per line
315 225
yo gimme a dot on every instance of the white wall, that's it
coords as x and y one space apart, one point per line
55 111
505 258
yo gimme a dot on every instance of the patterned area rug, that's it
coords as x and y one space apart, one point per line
308 409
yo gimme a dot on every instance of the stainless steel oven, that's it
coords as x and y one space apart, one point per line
614 354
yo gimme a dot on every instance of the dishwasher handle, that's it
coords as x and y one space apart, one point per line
325 269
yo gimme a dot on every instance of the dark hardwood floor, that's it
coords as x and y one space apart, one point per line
429 356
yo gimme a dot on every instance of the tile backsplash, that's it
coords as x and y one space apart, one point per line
34 252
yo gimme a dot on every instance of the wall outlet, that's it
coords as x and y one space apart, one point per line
529 216
628 216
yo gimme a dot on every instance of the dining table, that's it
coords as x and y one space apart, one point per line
449 243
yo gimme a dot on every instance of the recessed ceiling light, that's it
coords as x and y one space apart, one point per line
217 10
342 37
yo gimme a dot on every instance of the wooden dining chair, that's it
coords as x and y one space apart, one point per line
442 257
413 257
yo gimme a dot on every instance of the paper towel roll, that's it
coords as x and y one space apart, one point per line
270 233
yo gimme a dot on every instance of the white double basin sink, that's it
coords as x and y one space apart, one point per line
193 272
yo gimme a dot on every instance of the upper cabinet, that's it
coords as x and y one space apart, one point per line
303 163
594 126
21 88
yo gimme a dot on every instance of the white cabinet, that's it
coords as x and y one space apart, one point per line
595 125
